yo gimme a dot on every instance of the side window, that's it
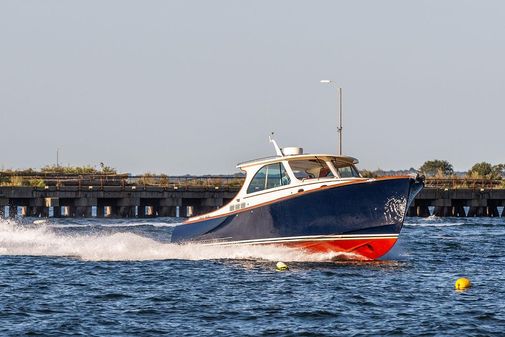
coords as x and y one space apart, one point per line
269 176
258 182
346 170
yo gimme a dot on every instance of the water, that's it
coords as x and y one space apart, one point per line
117 277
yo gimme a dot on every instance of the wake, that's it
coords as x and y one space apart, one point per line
42 240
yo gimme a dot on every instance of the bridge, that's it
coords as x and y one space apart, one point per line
156 196
464 202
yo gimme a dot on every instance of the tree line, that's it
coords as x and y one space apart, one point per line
442 168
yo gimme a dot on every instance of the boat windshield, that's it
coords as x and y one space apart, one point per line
310 169
345 170
269 176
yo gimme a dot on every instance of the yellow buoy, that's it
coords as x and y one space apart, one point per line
462 283
281 266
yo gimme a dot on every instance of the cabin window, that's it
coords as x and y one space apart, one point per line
310 169
346 170
269 176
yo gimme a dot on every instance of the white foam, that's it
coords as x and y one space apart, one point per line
434 224
50 225
16 239
137 224
164 224
113 225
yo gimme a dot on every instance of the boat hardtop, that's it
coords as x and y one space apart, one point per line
324 156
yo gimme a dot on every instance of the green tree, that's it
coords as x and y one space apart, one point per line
437 168
107 169
368 174
486 170
499 170
86 169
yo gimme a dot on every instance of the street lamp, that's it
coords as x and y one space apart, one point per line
339 106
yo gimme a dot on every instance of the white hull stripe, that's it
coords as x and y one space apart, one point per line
307 238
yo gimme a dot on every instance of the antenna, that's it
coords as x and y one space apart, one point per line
277 148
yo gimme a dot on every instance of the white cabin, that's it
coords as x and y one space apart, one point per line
288 173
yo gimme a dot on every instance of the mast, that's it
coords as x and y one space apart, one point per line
278 150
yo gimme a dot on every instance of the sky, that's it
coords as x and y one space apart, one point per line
194 87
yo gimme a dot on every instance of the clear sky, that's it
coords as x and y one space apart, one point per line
196 86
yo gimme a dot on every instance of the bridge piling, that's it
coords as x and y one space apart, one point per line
126 211
459 210
13 211
57 211
141 212
100 211
419 211
83 211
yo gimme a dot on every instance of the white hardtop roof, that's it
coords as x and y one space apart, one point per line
268 160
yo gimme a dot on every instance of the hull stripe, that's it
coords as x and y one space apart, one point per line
307 238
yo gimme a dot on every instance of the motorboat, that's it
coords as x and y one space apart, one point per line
316 202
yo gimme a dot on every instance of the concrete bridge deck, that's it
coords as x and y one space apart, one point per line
112 201
184 201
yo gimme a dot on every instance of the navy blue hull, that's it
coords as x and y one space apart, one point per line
369 207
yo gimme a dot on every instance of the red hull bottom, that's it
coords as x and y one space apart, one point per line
371 249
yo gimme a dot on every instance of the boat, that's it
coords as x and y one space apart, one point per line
316 202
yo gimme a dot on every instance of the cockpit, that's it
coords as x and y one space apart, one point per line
310 169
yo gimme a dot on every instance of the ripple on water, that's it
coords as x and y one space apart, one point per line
110 277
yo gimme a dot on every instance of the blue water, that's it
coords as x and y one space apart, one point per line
123 278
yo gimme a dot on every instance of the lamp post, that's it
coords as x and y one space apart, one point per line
339 106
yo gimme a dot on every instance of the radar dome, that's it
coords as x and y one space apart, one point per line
292 151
